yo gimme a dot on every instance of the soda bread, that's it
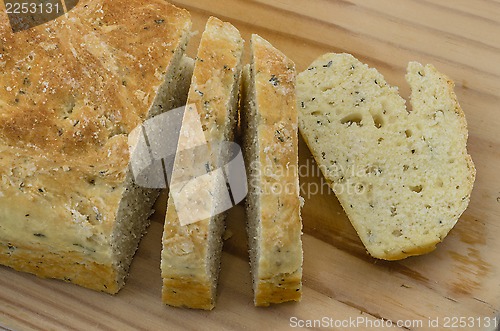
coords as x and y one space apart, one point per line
71 91
402 175
269 123
191 253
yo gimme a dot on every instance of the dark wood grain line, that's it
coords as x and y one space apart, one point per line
41 299
52 320
321 290
386 41
21 321
338 48
434 31
102 310
375 315
442 5
54 287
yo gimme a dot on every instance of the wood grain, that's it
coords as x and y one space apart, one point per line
461 278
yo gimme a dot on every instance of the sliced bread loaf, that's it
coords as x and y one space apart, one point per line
403 176
75 88
191 253
269 123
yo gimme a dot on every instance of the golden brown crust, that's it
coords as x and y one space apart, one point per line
72 267
70 92
187 292
67 92
281 288
188 279
280 250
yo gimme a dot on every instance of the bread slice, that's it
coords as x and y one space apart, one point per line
269 123
72 91
403 176
191 253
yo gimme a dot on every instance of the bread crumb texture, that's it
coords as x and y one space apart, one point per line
191 253
269 118
403 175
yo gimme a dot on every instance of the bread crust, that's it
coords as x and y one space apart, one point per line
71 91
73 267
187 264
277 260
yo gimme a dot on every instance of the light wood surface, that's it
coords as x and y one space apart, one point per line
461 278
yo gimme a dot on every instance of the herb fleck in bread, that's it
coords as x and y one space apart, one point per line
269 121
71 91
403 176
191 253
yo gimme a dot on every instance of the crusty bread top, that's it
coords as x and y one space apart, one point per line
74 87
280 249
213 88
70 92
403 176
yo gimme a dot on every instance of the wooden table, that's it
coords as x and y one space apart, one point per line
460 279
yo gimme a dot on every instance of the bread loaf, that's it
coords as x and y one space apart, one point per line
269 123
402 175
191 253
71 91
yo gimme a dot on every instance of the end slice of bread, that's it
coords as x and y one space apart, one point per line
403 176
269 121
191 253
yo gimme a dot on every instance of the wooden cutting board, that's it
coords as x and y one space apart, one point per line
456 284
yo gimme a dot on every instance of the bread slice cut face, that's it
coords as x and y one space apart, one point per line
402 175
192 250
269 122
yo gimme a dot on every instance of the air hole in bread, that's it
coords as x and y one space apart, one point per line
379 140
351 119
397 233
360 188
316 113
68 108
394 211
438 114
378 121
408 133
416 189
373 170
